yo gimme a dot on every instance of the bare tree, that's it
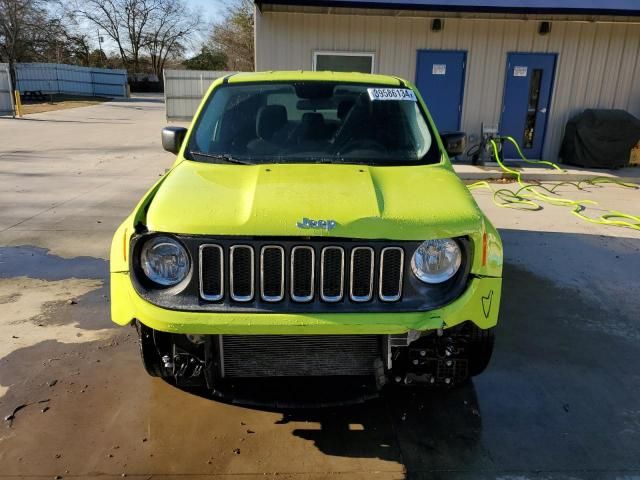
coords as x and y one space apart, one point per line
160 28
233 35
79 48
170 29
126 22
26 30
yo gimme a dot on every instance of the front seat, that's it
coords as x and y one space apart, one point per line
312 127
271 123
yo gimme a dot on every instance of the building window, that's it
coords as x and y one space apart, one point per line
343 61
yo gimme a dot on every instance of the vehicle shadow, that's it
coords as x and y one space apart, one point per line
420 428
417 428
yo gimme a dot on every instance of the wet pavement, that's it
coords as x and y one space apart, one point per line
558 401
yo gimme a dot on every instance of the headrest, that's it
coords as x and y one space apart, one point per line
271 118
343 108
312 125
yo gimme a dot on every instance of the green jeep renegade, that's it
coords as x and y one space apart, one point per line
311 229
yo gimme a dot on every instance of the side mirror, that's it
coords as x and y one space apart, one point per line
454 143
172 138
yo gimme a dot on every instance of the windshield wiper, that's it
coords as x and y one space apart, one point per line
221 156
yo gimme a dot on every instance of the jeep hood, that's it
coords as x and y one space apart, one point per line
402 203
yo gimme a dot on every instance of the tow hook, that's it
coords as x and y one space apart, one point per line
168 364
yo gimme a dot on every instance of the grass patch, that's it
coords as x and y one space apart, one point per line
59 102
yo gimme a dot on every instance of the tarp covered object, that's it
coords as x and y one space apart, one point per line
600 139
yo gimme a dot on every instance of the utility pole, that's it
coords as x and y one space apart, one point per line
100 48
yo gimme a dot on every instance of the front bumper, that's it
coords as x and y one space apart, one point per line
479 303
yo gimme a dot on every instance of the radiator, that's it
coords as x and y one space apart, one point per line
299 355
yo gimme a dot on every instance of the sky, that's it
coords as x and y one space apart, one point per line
211 8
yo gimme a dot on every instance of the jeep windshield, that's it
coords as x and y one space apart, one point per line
312 122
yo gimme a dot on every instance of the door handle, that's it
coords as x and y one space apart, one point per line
543 110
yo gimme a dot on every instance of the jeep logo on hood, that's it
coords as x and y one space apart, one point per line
317 224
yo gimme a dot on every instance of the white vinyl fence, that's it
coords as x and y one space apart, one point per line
6 95
71 79
184 89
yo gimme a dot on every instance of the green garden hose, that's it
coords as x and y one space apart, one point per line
529 196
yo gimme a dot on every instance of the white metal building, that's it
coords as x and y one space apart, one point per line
526 66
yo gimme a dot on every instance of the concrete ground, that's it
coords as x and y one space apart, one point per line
559 400
542 173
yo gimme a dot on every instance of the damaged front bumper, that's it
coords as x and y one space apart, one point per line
241 357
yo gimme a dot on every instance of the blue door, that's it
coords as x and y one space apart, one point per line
527 97
440 79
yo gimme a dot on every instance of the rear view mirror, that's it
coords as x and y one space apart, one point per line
172 138
454 143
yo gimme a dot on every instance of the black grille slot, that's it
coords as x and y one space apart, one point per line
361 274
211 272
272 273
242 273
299 355
391 269
302 273
332 274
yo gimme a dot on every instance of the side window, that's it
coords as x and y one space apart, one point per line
343 61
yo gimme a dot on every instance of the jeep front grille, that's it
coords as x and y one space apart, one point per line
301 273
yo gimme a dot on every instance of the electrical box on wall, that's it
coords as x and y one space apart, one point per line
483 151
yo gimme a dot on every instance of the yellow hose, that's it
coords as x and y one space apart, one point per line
528 196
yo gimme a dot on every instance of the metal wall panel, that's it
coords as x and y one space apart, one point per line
6 95
71 79
184 89
598 61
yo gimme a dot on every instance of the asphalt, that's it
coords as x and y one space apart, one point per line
559 400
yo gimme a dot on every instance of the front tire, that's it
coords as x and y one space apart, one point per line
481 344
149 352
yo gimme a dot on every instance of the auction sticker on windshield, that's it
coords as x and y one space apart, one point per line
392 94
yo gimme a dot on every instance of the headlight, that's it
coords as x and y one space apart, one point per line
436 261
164 261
